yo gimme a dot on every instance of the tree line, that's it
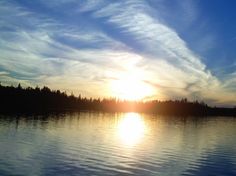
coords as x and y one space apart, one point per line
18 99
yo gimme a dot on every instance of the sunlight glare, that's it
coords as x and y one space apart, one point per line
131 87
131 129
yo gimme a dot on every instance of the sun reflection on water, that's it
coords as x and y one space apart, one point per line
131 129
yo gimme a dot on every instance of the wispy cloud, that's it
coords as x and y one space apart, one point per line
185 67
39 49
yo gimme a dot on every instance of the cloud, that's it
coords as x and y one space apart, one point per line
41 49
133 19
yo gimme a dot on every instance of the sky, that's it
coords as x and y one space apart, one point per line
129 49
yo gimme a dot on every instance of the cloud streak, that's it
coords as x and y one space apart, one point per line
43 50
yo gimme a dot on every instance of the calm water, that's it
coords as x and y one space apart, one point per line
117 144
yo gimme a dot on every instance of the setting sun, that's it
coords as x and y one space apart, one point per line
131 87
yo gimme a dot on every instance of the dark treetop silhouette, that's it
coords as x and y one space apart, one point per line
18 99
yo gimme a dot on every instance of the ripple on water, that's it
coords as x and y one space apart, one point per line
100 144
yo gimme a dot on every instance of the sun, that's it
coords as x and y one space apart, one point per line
131 87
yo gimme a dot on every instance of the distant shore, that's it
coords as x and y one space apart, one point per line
29 100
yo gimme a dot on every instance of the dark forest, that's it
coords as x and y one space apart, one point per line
18 99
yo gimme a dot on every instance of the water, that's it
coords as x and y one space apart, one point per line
116 144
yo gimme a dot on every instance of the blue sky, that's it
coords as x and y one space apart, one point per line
164 49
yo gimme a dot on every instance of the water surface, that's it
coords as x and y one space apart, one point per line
116 144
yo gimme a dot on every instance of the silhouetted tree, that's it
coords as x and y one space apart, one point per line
18 99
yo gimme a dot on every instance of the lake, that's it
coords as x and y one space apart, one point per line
116 144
